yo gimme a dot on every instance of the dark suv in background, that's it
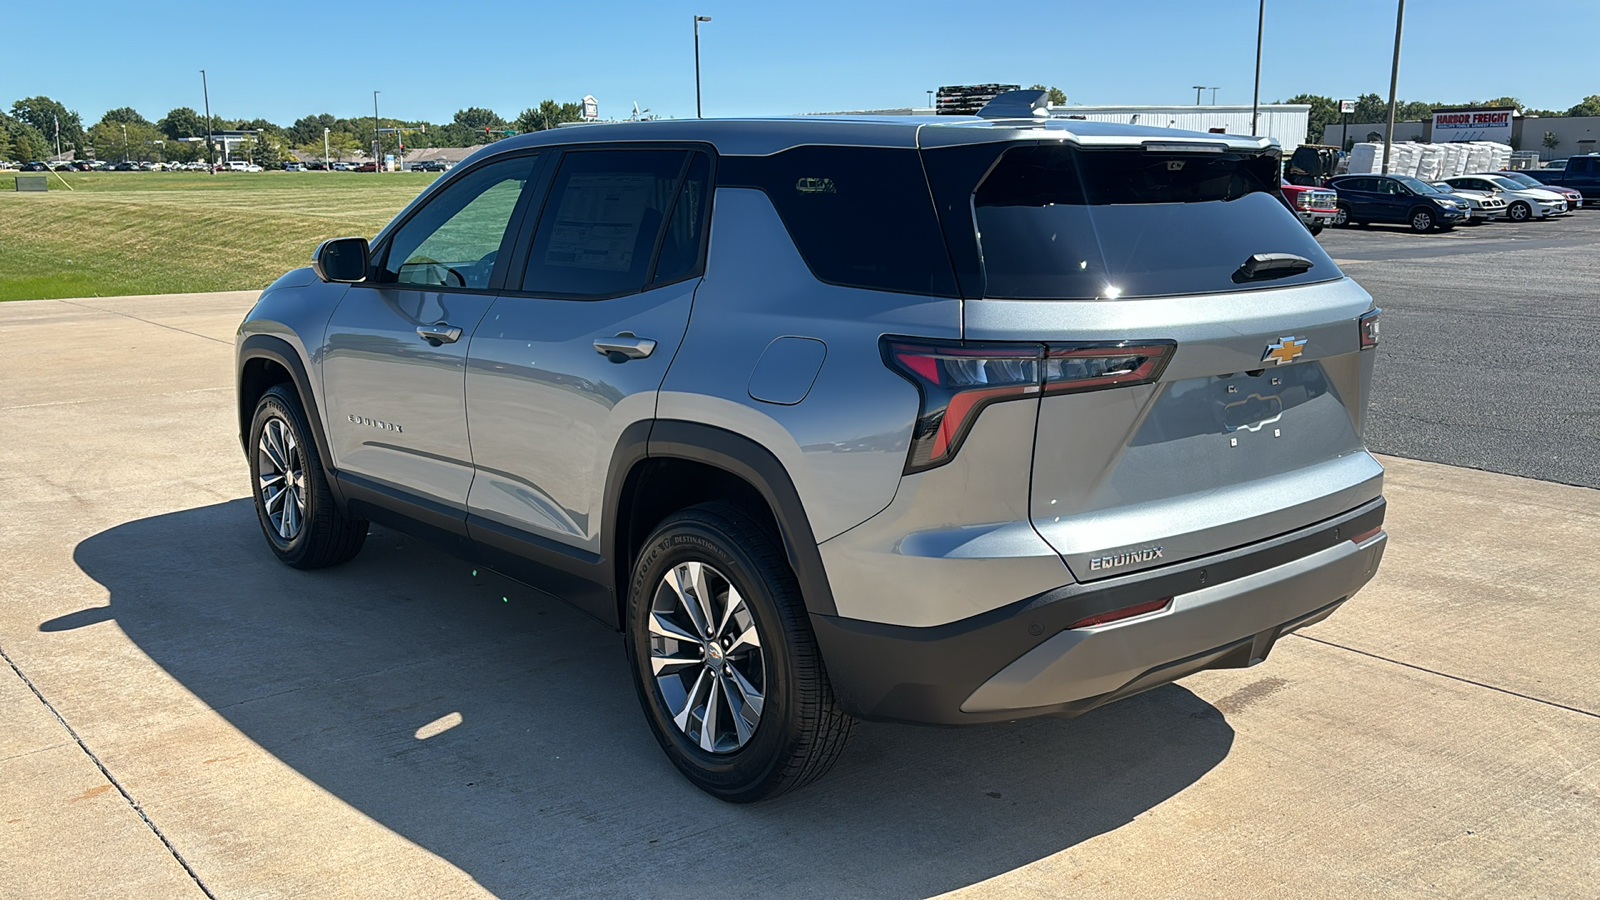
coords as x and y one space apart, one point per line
1398 199
941 420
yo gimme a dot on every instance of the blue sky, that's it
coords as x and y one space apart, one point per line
432 58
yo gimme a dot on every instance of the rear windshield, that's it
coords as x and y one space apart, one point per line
1054 221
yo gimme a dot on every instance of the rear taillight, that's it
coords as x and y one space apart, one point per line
1368 324
957 379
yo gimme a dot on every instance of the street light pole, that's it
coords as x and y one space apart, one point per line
1255 105
211 150
1394 83
1197 89
1213 91
697 21
324 149
377 142
124 141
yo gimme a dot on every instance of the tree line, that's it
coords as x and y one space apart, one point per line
1373 108
29 132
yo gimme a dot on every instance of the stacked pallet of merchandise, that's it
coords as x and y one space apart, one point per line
1429 160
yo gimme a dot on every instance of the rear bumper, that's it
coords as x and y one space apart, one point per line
1021 660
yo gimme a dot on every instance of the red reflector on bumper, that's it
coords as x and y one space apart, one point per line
1366 535
1116 615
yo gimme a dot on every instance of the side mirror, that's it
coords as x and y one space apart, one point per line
342 260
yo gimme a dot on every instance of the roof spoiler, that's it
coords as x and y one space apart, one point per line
1017 105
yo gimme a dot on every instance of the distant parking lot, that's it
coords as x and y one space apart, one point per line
1489 338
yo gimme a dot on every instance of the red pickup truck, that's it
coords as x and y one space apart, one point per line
1316 206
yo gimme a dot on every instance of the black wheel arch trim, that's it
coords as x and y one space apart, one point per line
743 457
277 350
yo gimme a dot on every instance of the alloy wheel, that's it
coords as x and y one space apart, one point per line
280 472
1421 221
706 657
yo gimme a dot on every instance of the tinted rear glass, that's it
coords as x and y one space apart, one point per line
860 216
1057 222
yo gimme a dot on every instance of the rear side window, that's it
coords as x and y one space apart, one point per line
860 216
1053 221
606 210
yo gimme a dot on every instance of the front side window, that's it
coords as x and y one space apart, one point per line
453 242
598 232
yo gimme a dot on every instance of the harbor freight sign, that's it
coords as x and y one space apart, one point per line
1472 125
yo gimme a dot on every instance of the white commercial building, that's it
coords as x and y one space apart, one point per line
1284 122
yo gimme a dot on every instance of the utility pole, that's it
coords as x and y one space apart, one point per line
1213 91
1197 89
1255 105
211 152
1394 84
325 149
124 141
697 21
58 136
377 142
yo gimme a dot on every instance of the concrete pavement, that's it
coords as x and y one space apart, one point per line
182 716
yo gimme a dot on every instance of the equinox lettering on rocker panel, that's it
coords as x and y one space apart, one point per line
1118 560
375 423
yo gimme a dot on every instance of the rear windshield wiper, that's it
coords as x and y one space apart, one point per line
1271 265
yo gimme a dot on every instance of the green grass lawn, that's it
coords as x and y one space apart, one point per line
175 232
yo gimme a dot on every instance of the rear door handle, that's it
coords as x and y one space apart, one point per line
440 333
625 344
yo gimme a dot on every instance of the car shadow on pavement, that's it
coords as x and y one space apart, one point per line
551 784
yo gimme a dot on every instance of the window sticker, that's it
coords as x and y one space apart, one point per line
597 224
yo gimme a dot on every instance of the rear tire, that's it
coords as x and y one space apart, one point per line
732 683
302 522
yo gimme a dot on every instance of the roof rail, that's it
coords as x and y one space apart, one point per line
1017 105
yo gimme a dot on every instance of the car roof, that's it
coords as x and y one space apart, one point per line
765 136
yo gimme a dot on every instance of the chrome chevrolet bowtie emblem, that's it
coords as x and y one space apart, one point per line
1287 349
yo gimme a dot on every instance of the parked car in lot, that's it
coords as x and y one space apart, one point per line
1573 196
1522 203
1581 173
343 167
430 165
1316 207
293 167
316 166
35 166
1482 206
126 166
883 448
366 167
1402 199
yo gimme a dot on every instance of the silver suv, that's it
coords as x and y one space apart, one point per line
941 420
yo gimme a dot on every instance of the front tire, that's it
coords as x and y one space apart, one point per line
724 660
1422 221
1520 211
303 524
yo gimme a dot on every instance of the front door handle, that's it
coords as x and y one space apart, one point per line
625 345
440 333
